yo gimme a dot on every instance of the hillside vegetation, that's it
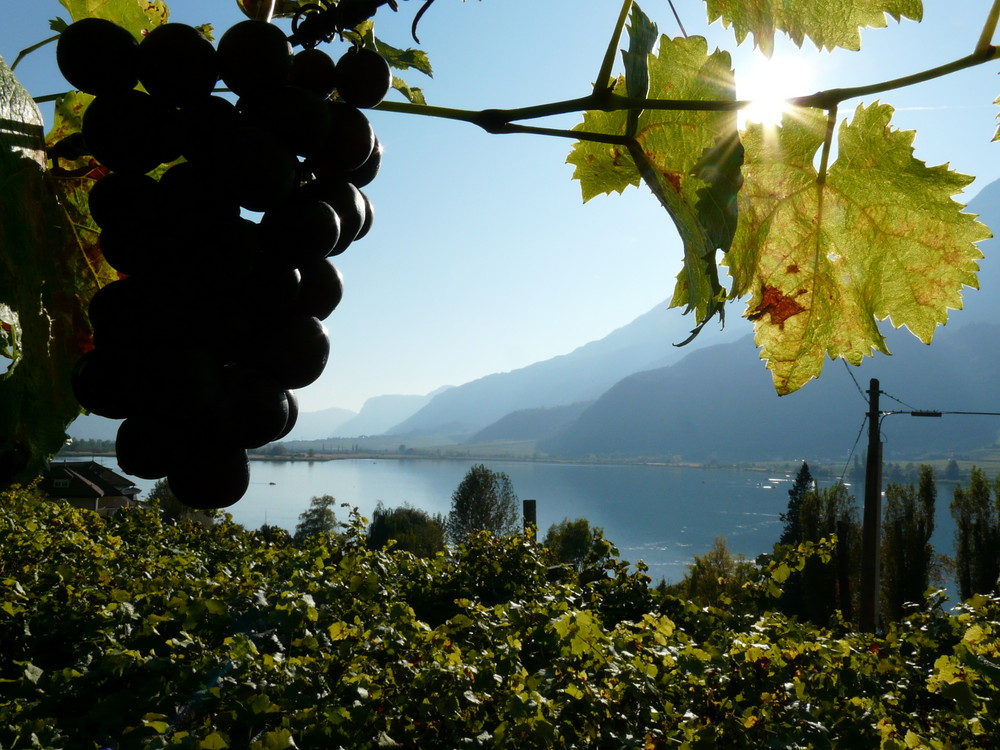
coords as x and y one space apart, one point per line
136 633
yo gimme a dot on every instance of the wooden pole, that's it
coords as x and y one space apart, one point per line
871 536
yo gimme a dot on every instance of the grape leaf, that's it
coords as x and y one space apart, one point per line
829 24
825 258
135 15
689 159
45 280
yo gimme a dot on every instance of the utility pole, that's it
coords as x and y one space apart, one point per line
871 536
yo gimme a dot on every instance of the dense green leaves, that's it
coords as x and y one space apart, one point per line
827 24
178 635
824 257
134 15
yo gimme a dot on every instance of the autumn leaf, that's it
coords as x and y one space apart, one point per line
825 258
689 159
46 280
827 24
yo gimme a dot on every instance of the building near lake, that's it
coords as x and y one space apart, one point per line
88 485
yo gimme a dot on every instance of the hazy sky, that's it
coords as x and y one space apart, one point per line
483 257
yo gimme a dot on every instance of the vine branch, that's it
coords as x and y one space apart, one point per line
500 120
601 85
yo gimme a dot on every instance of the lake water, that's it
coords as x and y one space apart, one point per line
662 515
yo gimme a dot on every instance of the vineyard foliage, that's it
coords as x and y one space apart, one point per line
138 633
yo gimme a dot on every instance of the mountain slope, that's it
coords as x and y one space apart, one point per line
380 413
581 375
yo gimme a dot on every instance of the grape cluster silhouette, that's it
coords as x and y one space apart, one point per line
221 219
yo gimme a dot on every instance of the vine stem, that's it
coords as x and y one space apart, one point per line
989 28
601 85
499 120
28 50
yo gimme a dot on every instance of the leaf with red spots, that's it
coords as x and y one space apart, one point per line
825 258
689 159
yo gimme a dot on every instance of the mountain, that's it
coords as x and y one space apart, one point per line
581 375
380 413
719 403
319 425
530 424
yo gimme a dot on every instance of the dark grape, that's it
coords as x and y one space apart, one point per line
178 63
98 56
129 131
254 56
347 201
192 191
347 145
204 127
101 383
298 350
259 170
366 225
314 70
130 248
320 290
300 231
367 172
143 447
120 199
211 476
253 409
293 414
299 118
363 77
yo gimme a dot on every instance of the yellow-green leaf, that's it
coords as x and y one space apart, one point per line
880 238
829 24
135 15
689 159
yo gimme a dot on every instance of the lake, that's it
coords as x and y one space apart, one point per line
662 515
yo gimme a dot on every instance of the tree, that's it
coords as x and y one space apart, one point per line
716 574
571 541
977 535
173 509
822 588
804 483
483 501
907 554
317 519
412 529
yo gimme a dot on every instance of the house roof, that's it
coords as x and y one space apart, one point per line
85 479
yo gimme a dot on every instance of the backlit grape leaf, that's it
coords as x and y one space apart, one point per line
824 260
829 24
45 281
135 15
996 136
689 159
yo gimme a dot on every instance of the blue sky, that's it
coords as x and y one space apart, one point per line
483 257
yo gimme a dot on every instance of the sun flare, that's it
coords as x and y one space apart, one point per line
769 84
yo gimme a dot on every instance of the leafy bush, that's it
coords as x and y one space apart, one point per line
141 633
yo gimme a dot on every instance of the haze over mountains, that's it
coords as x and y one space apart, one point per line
633 393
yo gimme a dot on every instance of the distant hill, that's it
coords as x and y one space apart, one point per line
582 375
317 425
381 413
530 424
719 403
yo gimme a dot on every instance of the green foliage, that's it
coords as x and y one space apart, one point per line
483 501
410 529
821 586
318 519
718 578
792 517
176 635
907 559
976 511
571 542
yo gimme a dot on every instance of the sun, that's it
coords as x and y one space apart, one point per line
769 83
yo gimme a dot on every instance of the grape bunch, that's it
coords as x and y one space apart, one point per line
221 219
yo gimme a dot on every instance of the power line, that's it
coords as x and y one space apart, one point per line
856 384
854 447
